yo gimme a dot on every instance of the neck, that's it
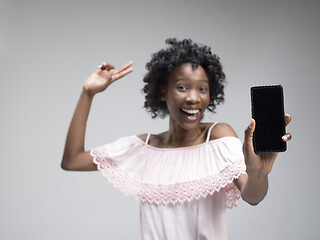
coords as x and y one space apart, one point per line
179 137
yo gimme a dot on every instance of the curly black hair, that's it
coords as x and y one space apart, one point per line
164 61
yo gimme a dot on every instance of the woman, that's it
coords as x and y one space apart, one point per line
184 177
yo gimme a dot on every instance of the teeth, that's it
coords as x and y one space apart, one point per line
190 111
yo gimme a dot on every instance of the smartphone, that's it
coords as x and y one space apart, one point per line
267 108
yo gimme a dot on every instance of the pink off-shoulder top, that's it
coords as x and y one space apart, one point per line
183 192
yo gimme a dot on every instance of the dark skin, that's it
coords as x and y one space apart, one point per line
187 98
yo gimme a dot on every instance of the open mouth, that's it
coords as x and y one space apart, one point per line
191 114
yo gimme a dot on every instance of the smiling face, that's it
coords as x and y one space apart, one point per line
187 95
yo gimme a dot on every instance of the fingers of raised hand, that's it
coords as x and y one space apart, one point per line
121 72
105 66
124 67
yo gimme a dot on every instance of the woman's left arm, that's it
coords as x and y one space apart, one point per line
254 185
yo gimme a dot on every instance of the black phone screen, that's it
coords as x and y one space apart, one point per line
267 107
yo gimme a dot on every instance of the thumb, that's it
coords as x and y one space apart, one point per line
248 137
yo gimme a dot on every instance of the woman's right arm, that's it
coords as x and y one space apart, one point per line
75 158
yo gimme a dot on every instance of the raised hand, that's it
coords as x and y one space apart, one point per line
75 157
100 79
260 164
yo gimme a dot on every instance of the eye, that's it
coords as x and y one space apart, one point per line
203 89
182 88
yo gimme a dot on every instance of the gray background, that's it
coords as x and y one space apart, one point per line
48 48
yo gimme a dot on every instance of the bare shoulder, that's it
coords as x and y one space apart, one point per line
143 137
155 140
221 130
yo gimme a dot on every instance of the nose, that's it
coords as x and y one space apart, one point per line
193 97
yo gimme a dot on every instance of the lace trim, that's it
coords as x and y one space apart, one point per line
173 193
232 196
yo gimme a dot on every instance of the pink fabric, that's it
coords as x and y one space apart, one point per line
200 219
176 185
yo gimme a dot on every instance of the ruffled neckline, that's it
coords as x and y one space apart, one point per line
183 148
172 175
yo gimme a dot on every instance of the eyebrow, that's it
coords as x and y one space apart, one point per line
186 78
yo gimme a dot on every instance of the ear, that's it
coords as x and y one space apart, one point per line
163 95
